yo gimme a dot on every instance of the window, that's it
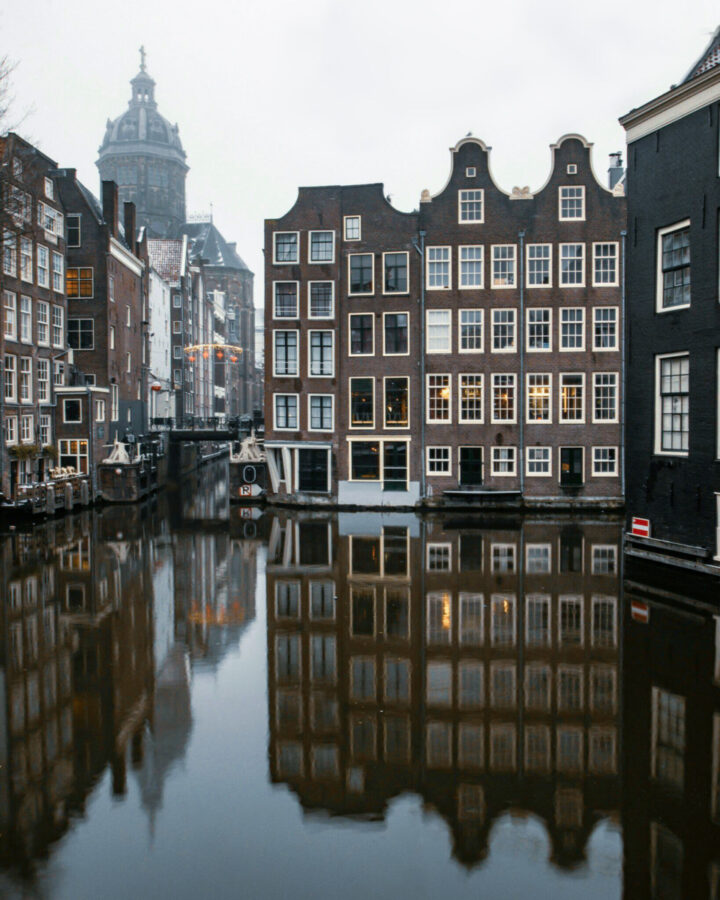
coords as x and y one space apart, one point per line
286 300
438 330
438 398
285 247
79 282
672 405
321 412
571 202
80 334
361 274
322 364
9 253
470 206
353 228
438 268
322 246
43 266
503 331
10 323
470 325
58 326
571 397
26 259
362 402
673 280
538 461
26 379
43 380
572 328
539 326
503 399
503 461
395 269
72 411
605 397
471 266
26 320
471 398
362 337
605 328
539 265
503 266
572 265
397 409
11 430
605 265
286 352
538 398
73 230
604 461
286 411
438 460
10 379
321 300
58 269
396 334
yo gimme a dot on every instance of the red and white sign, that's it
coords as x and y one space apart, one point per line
640 527
640 612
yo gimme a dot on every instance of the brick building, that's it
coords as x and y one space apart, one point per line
673 473
32 337
468 352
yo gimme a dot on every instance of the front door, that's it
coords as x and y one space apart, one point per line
471 466
571 466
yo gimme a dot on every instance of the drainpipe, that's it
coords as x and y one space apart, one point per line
621 335
420 247
521 349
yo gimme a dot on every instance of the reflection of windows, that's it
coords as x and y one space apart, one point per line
668 737
439 617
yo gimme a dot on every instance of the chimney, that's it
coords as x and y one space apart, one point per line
615 171
130 225
110 206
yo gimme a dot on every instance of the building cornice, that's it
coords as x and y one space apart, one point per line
673 105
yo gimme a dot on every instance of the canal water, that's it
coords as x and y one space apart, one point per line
199 701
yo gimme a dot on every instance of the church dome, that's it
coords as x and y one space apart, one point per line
141 128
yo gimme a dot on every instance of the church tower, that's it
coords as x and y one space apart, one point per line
141 152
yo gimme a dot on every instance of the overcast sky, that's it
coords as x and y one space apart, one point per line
270 96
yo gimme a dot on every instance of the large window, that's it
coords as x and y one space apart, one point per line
571 201
286 411
397 411
361 273
362 342
471 398
605 328
471 266
322 246
673 288
503 331
322 364
539 265
503 398
503 266
571 397
362 402
438 330
605 397
672 410
79 283
320 300
438 268
438 398
395 273
572 265
396 334
286 300
80 334
285 247
470 325
286 352
539 324
470 206
605 265
539 398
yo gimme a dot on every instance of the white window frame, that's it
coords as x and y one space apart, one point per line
332 412
495 461
446 260
320 262
595 281
351 316
277 374
561 419
659 305
461 262
435 312
596 462
583 209
276 427
463 197
615 418
494 283
528 283
616 346
345 228
561 280
445 462
406 254
399 312
351 292
331 332
657 449
481 384
528 473
286 262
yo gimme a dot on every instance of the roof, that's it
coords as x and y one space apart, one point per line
166 257
709 58
207 242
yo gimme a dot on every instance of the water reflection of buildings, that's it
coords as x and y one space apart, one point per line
477 667
671 748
